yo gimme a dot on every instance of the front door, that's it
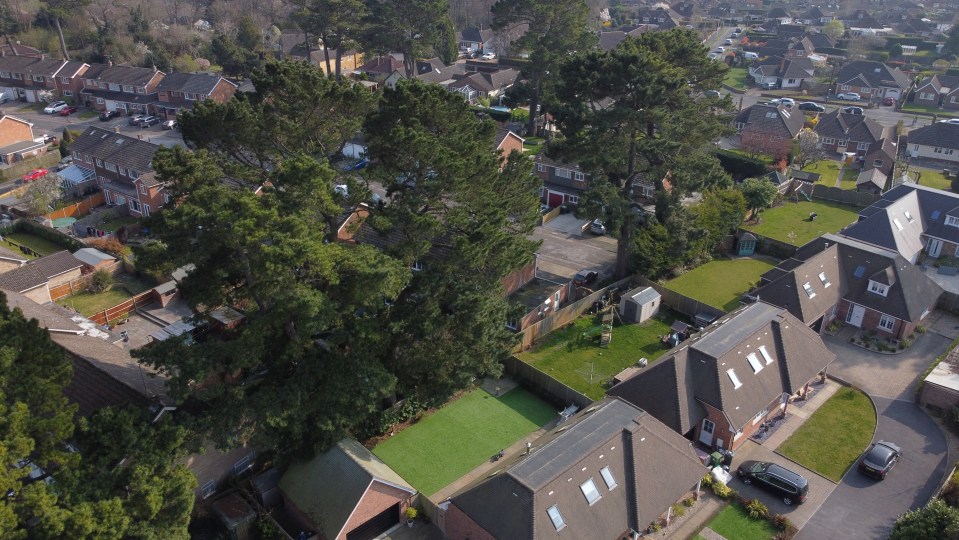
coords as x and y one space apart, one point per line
854 317
934 248
706 433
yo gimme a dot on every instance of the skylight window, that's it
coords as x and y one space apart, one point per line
824 279
733 378
909 217
590 492
608 478
754 362
808 288
898 224
765 353
860 270
556 517
935 215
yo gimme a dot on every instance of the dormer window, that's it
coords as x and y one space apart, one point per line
590 492
808 288
824 279
754 362
952 221
878 288
731 373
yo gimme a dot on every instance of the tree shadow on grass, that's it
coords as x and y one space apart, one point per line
528 406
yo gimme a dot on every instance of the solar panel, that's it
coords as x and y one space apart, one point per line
860 270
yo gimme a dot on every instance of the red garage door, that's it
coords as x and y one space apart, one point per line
554 199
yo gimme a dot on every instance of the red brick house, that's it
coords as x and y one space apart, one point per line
16 140
107 87
563 183
178 91
720 388
69 80
29 78
872 80
346 493
840 133
122 168
610 470
769 129
938 91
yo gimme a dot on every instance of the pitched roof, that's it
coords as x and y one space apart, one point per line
873 74
123 75
770 119
871 178
883 153
853 127
609 40
6 254
329 487
122 150
92 256
611 434
476 35
31 65
501 135
699 370
940 134
191 83
38 272
12 118
941 84
383 64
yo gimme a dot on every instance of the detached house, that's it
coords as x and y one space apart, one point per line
120 88
872 80
814 17
663 19
769 129
476 40
476 85
563 183
178 91
719 388
840 133
938 91
122 168
783 72
606 473
939 141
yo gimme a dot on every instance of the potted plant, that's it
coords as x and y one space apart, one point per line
411 514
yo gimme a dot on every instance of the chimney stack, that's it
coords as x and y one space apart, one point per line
116 129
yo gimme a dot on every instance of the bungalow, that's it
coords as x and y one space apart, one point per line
477 85
719 388
769 129
107 87
476 40
599 474
814 17
662 18
35 278
783 72
563 183
840 132
122 168
178 91
843 278
938 91
872 80
380 67
939 141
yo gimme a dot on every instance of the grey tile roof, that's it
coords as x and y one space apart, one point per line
476 35
884 152
785 68
939 134
852 127
609 40
125 151
38 272
513 502
125 97
701 366
872 74
939 84
771 120
872 178
11 256
329 487
192 83
126 75
29 65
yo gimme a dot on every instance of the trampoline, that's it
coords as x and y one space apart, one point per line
63 222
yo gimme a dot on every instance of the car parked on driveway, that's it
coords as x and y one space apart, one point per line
597 227
148 121
812 107
170 124
792 487
68 110
488 56
853 110
55 107
849 96
106 115
135 119
880 459
889 102
584 277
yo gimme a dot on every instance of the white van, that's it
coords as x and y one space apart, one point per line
750 55
5 97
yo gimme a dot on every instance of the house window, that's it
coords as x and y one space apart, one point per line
556 517
128 89
134 205
877 163
944 151
862 146
590 492
99 101
540 167
244 463
109 166
166 198
845 87
65 80
5 74
208 489
793 81
952 221
887 323
732 377
564 173
37 78
76 155
123 171
878 288
740 126
754 362
765 353
417 266
759 417
828 140
134 174
808 288
898 223
67 93
99 162
580 176
140 90
556 297
146 210
512 324
953 99
925 96
866 90
572 199
143 189
608 478
841 142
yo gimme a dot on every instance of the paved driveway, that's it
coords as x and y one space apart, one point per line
564 253
820 488
863 508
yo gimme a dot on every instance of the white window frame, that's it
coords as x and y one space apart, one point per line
754 362
824 279
887 323
759 416
766 356
573 199
731 373
952 221
862 146
809 291
540 167
608 478
828 140
563 173
99 162
143 189
134 205
580 176
556 517
842 142
590 492
878 288
512 324
99 101
65 80
416 266
68 93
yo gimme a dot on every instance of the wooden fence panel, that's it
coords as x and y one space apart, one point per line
678 302
843 196
544 385
79 209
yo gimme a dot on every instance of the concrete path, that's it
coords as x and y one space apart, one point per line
695 519
710 534
842 168
798 415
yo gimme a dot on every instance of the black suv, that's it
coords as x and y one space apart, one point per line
106 115
148 121
790 486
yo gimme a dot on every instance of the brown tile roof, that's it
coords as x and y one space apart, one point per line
38 271
122 150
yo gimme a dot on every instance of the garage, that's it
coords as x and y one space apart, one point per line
554 199
377 525
894 93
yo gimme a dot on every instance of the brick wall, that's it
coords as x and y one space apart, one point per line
870 322
12 131
460 526
519 278
934 395
378 497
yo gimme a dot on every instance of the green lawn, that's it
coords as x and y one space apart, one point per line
583 366
827 169
40 245
734 523
834 436
88 303
933 178
86 115
720 283
462 435
738 78
943 113
533 145
790 222
115 224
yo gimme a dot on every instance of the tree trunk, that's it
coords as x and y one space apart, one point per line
622 249
533 105
339 62
326 55
63 42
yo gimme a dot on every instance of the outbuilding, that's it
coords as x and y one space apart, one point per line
639 305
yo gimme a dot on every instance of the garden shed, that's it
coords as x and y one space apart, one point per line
639 305
745 244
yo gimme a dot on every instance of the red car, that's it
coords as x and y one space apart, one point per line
35 174
69 110
889 102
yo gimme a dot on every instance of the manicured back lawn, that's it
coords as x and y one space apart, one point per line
779 222
40 245
932 178
827 169
583 366
454 440
834 436
533 145
734 523
88 303
721 283
737 77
